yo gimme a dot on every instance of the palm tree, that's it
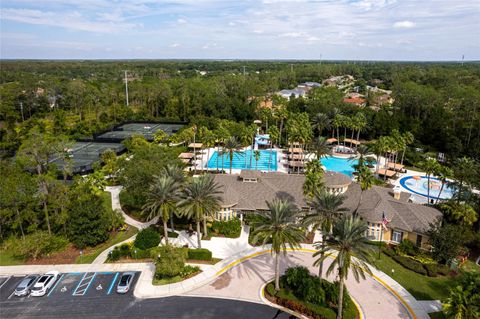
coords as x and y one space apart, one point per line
320 122
326 208
349 243
208 141
461 303
444 173
273 132
408 139
360 123
313 179
431 167
257 155
378 149
464 169
366 180
232 146
279 228
162 199
175 172
200 198
320 147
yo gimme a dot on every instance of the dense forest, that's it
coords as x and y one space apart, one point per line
438 103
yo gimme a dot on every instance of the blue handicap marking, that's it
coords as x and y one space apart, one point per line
112 284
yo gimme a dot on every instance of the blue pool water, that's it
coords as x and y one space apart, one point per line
266 157
420 187
341 165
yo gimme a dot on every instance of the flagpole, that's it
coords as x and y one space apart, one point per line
380 246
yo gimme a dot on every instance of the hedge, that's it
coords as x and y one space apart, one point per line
147 238
410 264
229 229
199 254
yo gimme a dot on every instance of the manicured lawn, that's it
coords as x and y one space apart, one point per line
421 287
7 259
91 253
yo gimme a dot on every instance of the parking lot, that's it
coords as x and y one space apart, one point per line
70 285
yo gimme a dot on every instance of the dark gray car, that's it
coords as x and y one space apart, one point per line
23 288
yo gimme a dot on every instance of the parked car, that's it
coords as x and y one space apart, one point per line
125 282
44 283
23 288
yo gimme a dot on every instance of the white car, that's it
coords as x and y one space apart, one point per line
44 283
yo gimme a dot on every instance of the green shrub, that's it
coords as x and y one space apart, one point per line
411 264
443 270
147 238
124 250
389 252
188 270
170 261
230 229
137 253
407 247
36 245
432 269
172 234
199 254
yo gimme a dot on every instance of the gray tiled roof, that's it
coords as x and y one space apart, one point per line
253 195
333 179
401 213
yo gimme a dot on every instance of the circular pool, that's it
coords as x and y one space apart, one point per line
419 185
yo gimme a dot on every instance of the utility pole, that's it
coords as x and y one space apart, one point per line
463 58
21 110
126 86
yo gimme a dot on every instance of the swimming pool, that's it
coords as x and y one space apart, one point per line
419 185
267 161
341 165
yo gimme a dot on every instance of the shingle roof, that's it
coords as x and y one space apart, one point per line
335 180
253 195
401 213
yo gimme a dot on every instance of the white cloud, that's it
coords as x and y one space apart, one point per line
404 24
174 45
181 21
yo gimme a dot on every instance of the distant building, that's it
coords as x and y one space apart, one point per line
358 101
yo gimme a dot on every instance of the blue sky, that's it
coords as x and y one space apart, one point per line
251 29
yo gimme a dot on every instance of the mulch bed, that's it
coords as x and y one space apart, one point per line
68 256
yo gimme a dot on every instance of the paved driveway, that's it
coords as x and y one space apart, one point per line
245 280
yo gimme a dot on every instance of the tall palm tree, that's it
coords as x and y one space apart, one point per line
408 139
162 200
444 173
360 123
326 208
366 180
464 169
349 243
178 175
320 147
279 228
378 149
232 147
320 122
200 198
431 167
257 156
273 132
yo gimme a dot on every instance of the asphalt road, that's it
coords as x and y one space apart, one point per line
96 303
130 307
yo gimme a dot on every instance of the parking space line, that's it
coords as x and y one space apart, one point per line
79 283
84 284
112 284
55 285
5 281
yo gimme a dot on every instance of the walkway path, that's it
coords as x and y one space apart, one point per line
115 193
219 246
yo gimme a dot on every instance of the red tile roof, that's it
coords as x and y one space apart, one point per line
355 100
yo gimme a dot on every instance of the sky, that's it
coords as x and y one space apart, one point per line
420 30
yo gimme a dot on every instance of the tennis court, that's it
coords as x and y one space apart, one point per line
148 130
85 154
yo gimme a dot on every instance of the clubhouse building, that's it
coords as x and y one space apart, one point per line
249 192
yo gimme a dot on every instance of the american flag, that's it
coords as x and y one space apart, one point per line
385 221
